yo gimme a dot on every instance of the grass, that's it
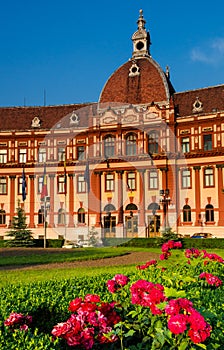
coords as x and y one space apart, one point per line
27 257
40 275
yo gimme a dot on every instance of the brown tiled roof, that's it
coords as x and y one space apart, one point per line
151 85
20 118
212 99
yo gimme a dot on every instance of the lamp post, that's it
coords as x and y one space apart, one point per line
165 201
46 208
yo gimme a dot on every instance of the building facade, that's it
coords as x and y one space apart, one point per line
141 159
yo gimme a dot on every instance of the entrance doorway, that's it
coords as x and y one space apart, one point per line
109 225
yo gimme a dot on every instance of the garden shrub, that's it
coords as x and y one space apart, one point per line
193 288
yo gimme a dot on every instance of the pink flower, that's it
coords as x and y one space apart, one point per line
19 321
117 282
211 279
199 336
165 256
75 304
175 306
146 265
92 298
145 293
192 253
178 323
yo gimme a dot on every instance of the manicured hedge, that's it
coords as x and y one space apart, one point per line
186 242
39 243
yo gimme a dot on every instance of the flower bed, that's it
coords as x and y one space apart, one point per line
180 307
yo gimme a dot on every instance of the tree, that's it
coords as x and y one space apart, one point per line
22 235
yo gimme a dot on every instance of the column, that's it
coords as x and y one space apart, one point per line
197 191
142 197
12 197
71 200
32 207
51 214
220 194
120 198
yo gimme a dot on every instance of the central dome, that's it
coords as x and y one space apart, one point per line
140 80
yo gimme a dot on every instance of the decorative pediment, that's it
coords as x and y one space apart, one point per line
129 119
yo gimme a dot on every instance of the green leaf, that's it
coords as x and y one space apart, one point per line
203 346
183 345
172 292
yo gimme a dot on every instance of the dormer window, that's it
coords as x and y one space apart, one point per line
197 106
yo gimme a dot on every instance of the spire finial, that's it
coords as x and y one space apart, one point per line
141 20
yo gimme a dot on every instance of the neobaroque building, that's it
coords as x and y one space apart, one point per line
141 159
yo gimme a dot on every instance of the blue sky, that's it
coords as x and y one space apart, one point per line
70 48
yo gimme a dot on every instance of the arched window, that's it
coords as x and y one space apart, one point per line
41 215
81 216
131 145
131 206
2 217
61 216
186 213
109 208
153 142
209 213
109 146
154 207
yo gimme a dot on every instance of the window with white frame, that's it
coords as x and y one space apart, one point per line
109 146
3 156
186 178
81 184
3 185
131 181
20 185
207 140
40 183
153 179
61 184
42 155
61 154
22 155
131 145
80 152
186 213
153 142
109 182
209 177
185 144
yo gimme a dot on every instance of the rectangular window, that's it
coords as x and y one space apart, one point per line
109 182
131 181
40 184
3 185
42 155
207 142
20 182
186 178
3 155
81 184
22 155
153 180
61 154
185 144
209 177
61 184
80 152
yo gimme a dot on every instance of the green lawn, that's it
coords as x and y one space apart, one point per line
32 275
50 255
